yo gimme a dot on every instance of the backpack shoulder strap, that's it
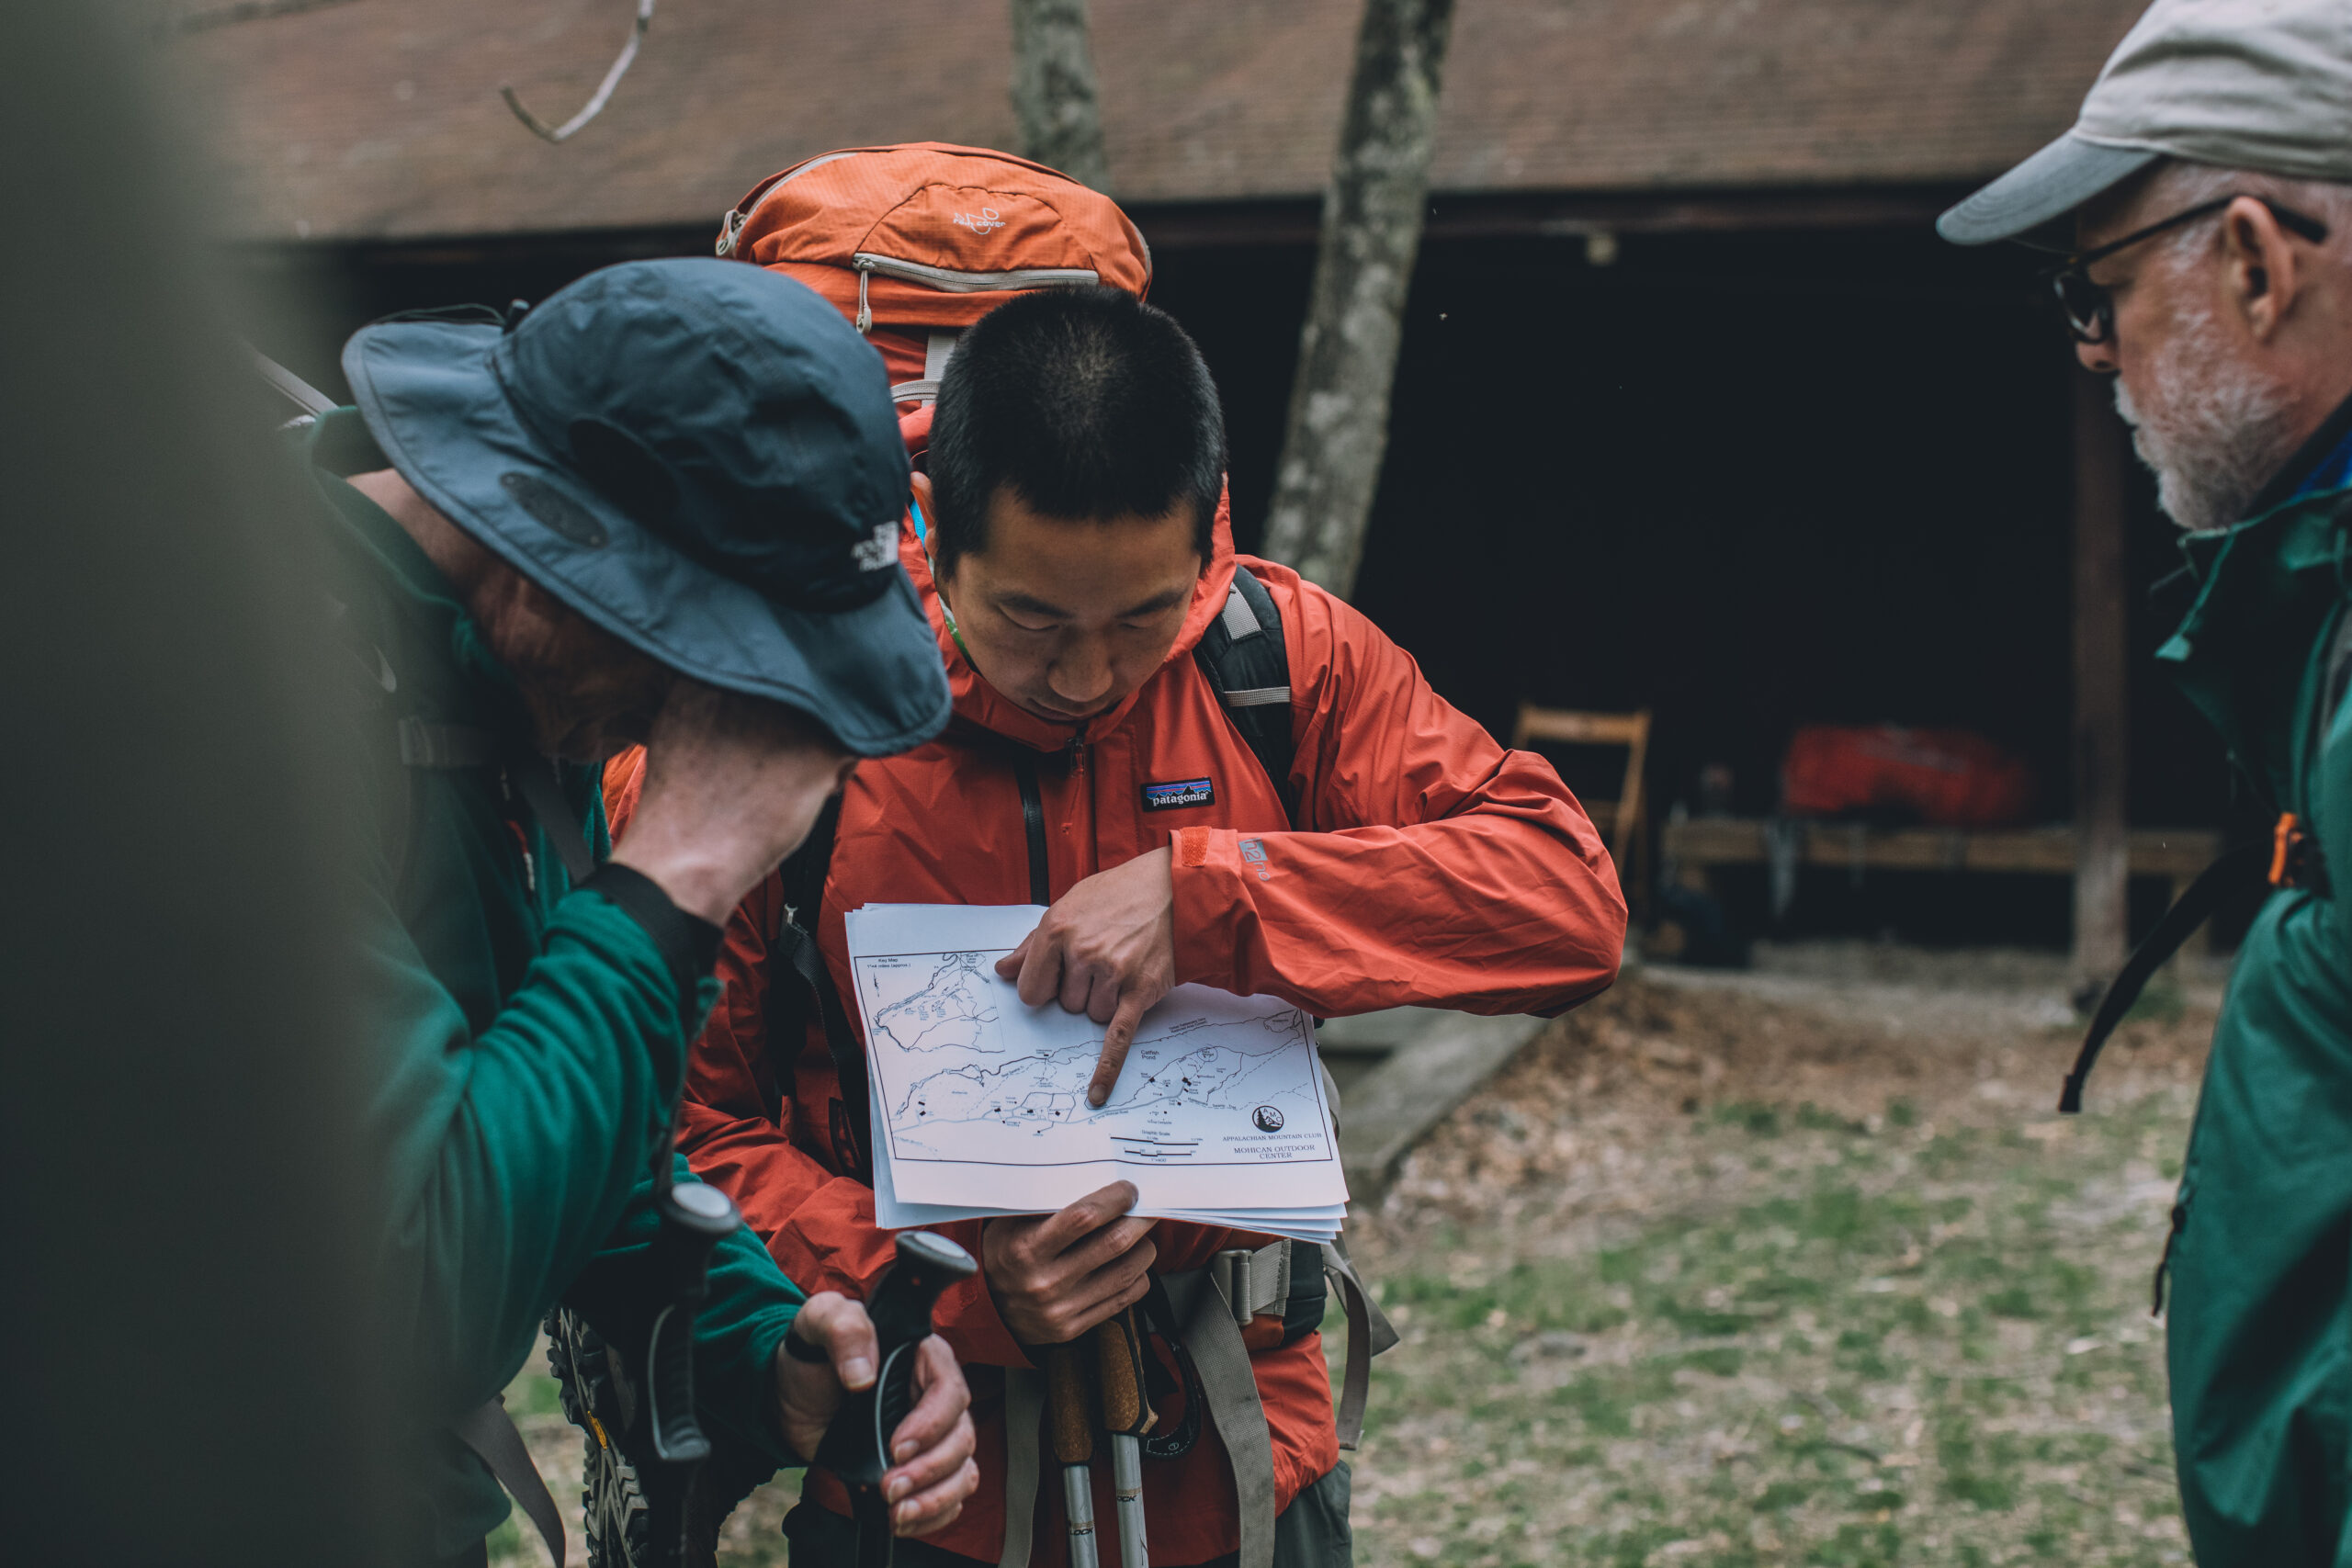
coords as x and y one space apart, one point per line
1247 666
397 742
2172 934
803 876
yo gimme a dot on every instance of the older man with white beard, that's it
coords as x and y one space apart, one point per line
2211 273
2229 336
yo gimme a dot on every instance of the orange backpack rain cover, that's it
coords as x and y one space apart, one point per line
914 242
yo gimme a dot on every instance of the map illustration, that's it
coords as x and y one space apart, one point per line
953 1010
966 1074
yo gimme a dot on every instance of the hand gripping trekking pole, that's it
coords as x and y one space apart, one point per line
1126 1417
856 1446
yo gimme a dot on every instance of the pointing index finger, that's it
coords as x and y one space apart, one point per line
1118 1037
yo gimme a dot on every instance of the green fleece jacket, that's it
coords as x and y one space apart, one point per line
524 1042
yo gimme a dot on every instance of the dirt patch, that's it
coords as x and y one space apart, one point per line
1651 1047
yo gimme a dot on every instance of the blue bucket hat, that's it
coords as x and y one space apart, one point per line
700 456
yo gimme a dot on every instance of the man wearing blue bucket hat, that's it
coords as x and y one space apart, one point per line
662 508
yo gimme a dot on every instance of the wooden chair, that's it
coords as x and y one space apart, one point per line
1619 819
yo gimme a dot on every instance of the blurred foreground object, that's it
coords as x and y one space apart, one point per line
186 1381
1338 429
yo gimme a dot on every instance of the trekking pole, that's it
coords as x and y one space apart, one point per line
857 1447
1073 1434
694 1219
1126 1417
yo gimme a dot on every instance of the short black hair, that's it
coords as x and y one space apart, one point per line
1089 404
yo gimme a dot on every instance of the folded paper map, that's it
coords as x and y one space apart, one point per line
980 1102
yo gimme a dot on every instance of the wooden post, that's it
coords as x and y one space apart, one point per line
1338 429
1053 96
2100 690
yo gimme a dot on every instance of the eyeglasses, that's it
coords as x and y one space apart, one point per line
2090 308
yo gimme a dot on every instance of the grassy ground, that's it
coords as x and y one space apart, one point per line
1714 1277
1711 1279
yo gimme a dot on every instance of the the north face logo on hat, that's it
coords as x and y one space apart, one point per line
879 550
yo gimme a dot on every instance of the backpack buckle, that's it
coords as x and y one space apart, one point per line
2295 857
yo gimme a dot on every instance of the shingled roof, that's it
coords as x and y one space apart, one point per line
380 120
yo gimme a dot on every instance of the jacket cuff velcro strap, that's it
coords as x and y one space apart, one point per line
688 944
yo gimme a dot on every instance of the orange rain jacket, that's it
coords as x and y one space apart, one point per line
1431 867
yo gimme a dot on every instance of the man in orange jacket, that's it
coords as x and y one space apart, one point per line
1076 553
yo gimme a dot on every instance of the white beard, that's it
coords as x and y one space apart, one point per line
2213 430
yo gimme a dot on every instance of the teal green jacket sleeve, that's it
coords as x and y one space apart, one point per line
514 1156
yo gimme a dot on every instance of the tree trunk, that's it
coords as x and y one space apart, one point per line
2101 692
1053 90
1337 431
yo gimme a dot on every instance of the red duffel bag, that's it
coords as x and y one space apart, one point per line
1947 778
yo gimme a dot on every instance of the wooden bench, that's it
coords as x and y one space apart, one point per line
1696 846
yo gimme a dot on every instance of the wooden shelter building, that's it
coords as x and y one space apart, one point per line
1695 413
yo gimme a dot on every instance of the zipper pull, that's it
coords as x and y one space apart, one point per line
865 311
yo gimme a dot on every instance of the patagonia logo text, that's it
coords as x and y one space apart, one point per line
1178 794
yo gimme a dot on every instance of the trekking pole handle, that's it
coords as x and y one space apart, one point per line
856 1446
1119 1375
1126 1417
694 1219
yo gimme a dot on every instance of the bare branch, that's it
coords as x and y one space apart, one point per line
595 107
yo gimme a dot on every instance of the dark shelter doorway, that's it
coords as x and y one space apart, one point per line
1746 479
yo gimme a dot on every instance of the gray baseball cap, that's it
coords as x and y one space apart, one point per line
2258 84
